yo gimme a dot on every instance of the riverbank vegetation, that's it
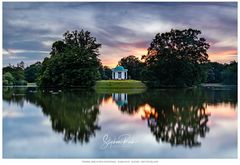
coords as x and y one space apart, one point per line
177 58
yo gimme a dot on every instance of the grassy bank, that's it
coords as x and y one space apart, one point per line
119 84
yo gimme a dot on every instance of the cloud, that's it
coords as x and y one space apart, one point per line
5 52
16 51
48 43
121 28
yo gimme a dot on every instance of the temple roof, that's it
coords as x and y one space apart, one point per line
119 68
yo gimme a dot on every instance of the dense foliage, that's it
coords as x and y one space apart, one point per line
134 66
32 72
214 72
175 59
105 72
229 74
222 73
14 75
73 63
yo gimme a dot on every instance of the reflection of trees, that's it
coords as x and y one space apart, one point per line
15 95
72 113
179 128
134 101
226 95
178 116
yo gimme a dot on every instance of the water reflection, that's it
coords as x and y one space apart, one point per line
120 98
72 113
177 117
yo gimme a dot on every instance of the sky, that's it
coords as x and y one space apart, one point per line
123 29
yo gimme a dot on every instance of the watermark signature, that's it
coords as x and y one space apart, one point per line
122 141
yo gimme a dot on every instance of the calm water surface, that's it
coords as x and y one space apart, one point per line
180 123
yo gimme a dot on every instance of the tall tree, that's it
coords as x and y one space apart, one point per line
21 65
175 59
74 61
134 66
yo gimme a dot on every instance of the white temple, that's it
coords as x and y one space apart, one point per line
119 73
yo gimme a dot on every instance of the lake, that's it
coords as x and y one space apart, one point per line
167 123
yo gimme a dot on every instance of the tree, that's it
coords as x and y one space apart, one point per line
8 79
20 65
17 74
31 72
214 72
74 62
134 66
175 59
229 74
105 72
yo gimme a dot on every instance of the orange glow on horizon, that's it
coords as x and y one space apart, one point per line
139 52
221 57
224 53
224 56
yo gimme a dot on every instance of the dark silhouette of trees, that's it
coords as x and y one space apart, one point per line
134 66
214 72
222 73
229 74
105 72
21 65
175 59
31 73
74 62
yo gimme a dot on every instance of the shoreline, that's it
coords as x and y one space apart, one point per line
126 85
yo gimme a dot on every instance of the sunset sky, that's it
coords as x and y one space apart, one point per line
123 29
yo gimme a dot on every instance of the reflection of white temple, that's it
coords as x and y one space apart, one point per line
120 98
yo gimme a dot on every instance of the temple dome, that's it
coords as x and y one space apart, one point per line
119 68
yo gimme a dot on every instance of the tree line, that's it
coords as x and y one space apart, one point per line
177 58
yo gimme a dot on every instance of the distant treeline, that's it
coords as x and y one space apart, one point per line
177 58
214 72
